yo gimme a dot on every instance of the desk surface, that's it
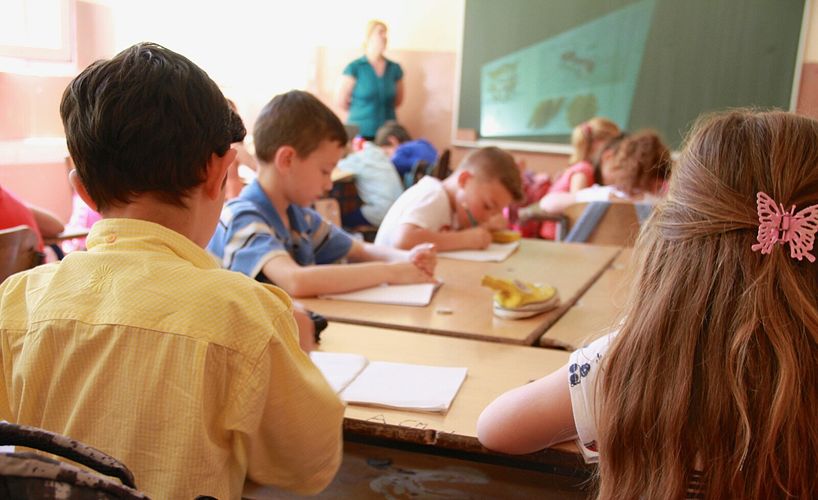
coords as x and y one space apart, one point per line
571 268
597 310
492 370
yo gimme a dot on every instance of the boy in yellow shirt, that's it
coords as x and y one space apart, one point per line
270 233
142 346
458 212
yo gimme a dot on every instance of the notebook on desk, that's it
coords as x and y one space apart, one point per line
419 294
495 252
392 385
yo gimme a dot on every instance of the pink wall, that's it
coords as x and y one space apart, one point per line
29 107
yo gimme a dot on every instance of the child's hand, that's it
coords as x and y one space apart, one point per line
496 223
476 237
404 273
424 256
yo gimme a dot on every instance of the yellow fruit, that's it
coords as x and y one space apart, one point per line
511 294
505 236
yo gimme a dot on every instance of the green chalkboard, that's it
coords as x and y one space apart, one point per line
532 69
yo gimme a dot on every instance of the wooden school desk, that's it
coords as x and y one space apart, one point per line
492 370
68 234
596 311
463 308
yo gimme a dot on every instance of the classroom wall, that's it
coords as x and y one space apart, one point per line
255 52
32 148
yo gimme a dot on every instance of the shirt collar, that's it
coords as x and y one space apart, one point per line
141 235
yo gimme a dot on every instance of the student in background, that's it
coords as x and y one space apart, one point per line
234 182
142 347
588 140
409 152
631 168
270 233
709 389
458 212
372 85
376 179
15 212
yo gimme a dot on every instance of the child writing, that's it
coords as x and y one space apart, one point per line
710 387
270 234
142 346
631 168
376 180
588 139
458 212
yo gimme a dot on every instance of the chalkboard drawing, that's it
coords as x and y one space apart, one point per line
578 65
581 108
447 482
545 111
593 67
503 82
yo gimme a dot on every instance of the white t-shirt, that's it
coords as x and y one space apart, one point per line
610 193
583 377
425 204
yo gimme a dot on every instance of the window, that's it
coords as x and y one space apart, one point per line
37 30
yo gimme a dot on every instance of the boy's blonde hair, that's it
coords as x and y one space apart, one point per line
585 134
494 163
715 367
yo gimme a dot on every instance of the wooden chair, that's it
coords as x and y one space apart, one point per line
18 251
604 223
441 169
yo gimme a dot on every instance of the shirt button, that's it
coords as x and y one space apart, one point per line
110 238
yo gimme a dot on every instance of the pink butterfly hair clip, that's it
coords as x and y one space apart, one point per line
776 225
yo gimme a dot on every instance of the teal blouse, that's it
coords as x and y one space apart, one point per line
373 98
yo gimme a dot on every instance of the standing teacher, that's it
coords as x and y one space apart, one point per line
372 85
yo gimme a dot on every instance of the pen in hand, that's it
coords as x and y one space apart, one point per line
472 220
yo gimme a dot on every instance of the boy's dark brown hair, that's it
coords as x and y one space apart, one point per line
296 119
391 128
145 121
494 163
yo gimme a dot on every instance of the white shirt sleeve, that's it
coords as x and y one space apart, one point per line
583 376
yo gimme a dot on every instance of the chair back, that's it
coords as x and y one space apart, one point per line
30 475
18 250
604 223
419 170
441 170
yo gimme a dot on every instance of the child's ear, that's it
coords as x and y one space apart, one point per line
284 157
216 175
463 177
79 187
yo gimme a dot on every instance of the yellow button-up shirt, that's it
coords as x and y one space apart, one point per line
189 374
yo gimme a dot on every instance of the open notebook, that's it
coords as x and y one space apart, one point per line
393 385
419 294
496 252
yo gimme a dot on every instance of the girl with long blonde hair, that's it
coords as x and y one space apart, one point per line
710 387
